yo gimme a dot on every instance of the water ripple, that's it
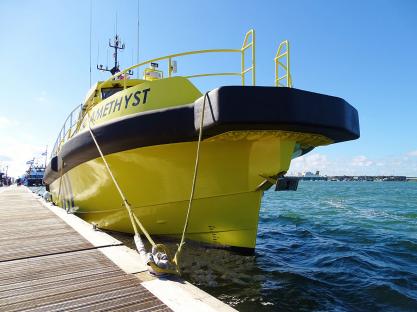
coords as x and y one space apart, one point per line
345 246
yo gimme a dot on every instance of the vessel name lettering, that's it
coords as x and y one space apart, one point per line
114 105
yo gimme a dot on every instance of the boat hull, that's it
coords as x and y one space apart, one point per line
157 182
249 136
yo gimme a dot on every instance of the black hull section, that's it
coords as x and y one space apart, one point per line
272 108
227 108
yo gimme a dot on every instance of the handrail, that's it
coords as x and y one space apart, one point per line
286 67
170 57
167 57
214 74
65 133
246 46
248 43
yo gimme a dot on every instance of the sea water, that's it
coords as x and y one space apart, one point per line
329 246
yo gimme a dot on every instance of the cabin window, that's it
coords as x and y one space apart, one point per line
107 92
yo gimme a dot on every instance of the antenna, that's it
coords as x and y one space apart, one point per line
91 27
107 57
115 25
46 154
116 45
98 50
137 56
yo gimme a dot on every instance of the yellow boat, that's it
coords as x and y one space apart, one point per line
148 131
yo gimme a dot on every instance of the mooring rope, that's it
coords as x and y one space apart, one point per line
190 202
157 248
60 183
160 252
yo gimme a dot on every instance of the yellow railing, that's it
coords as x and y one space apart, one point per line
69 128
282 61
249 42
246 45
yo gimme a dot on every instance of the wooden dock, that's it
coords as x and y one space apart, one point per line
52 261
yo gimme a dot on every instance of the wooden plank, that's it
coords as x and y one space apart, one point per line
45 265
65 282
25 224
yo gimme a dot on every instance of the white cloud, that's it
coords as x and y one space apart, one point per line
41 98
361 161
7 123
4 122
15 154
412 153
358 165
16 147
310 162
5 158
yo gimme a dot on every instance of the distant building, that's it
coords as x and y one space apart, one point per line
309 176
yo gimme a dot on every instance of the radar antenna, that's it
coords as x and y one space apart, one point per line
116 45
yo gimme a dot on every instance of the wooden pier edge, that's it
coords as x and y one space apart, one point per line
130 287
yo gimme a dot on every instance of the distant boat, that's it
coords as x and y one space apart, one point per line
3 179
34 175
149 128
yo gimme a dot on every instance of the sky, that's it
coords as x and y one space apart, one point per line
362 51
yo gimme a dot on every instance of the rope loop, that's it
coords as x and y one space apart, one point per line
190 202
158 261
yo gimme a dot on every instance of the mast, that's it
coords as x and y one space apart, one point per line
91 30
46 155
137 56
116 45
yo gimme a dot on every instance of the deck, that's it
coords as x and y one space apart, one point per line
48 264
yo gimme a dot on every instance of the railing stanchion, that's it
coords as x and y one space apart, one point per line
246 46
243 67
289 82
70 125
286 67
253 59
169 67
